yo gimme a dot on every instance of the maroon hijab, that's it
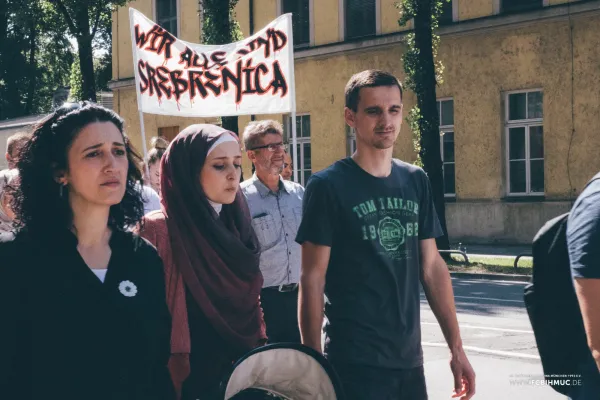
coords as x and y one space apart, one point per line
218 256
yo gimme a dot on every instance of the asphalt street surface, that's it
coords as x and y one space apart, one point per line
497 338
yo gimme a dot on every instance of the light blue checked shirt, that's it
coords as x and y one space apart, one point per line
276 218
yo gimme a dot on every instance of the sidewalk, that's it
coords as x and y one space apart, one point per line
494 249
491 277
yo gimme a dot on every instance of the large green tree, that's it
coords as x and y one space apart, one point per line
102 75
88 22
423 73
35 56
220 27
13 61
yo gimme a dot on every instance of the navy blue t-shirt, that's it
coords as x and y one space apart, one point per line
373 226
583 238
583 233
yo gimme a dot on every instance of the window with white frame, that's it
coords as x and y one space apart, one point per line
360 18
303 146
525 142
446 115
447 15
301 24
514 6
166 15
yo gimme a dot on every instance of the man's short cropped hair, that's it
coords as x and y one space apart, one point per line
368 78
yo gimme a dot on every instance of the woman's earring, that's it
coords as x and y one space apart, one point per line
61 190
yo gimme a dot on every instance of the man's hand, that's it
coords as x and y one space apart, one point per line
464 376
438 289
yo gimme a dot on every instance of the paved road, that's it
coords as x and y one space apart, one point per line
498 340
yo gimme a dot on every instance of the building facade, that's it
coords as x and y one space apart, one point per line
519 105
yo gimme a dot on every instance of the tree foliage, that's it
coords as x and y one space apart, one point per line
75 82
423 74
102 75
219 25
88 22
35 57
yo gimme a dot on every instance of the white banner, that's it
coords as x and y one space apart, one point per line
252 76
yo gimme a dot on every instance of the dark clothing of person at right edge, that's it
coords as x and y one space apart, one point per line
583 238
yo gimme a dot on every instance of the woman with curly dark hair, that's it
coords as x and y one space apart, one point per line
82 300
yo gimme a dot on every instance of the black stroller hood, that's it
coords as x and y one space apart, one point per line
282 371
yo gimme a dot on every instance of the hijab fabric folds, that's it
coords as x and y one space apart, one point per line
217 255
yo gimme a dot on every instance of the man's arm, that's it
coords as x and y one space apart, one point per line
588 294
315 259
438 289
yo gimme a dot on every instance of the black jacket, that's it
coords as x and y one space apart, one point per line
66 335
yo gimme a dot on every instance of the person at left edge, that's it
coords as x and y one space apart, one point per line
82 301
8 178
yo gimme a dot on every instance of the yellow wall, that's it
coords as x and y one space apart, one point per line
115 45
584 160
326 21
480 68
265 12
528 58
242 15
390 16
123 36
470 9
189 29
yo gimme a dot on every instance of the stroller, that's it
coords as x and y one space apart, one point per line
282 371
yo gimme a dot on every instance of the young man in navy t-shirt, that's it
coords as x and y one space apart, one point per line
368 239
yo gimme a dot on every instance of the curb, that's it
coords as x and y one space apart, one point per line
493 277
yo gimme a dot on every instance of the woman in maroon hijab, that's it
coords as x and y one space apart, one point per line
204 236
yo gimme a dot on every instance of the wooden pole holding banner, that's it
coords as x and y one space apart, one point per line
295 146
293 113
139 99
144 147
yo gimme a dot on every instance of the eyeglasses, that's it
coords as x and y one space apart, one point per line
272 147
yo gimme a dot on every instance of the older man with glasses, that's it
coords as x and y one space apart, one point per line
276 208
